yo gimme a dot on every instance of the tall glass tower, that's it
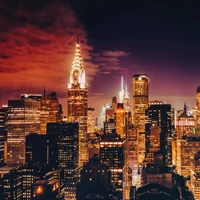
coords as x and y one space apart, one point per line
140 84
78 102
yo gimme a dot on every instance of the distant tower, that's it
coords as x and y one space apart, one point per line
78 102
126 101
140 84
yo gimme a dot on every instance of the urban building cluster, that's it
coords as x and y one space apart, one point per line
138 150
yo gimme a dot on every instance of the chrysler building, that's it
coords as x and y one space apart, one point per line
78 102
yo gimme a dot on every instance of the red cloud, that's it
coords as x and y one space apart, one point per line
37 50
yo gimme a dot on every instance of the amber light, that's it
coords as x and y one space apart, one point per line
39 190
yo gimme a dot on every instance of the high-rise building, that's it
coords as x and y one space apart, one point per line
185 124
160 115
152 143
63 153
12 185
120 120
23 118
3 136
127 102
140 83
112 152
78 103
183 153
50 110
91 120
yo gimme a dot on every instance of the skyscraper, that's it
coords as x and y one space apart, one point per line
140 84
63 152
160 115
23 117
50 110
78 102
112 152
91 120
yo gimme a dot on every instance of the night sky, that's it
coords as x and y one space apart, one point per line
118 38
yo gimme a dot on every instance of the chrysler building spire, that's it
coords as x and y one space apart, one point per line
78 103
77 75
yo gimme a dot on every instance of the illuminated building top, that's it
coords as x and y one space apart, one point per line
77 75
121 93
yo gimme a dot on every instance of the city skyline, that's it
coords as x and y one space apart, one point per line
38 50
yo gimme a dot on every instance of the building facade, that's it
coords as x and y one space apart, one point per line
112 152
23 118
50 110
140 83
78 103
63 153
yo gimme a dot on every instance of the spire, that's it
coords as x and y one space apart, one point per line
122 83
185 108
126 92
121 93
77 75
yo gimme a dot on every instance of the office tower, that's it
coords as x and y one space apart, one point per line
184 148
3 135
114 103
29 173
63 152
109 125
91 120
106 113
12 185
152 143
95 179
45 189
23 117
120 120
36 148
185 124
50 110
112 152
195 173
161 115
127 102
78 102
140 83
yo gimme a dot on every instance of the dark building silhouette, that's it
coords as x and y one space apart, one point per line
63 152
161 115
36 148
154 191
95 179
